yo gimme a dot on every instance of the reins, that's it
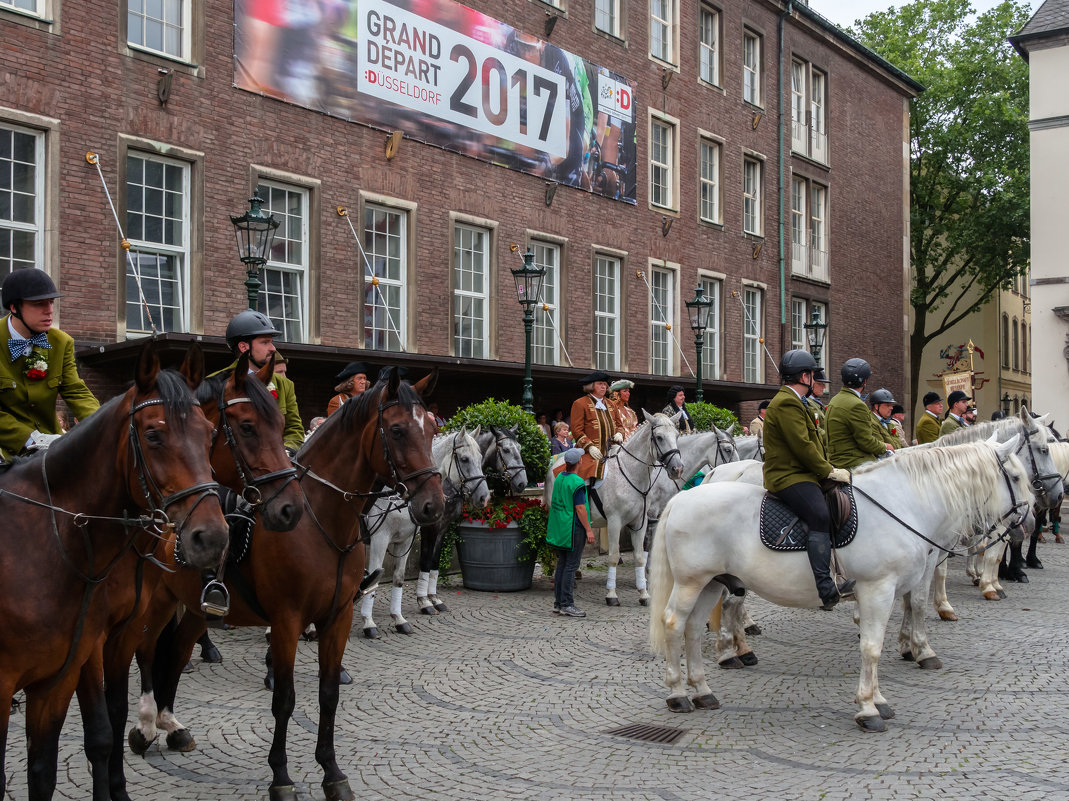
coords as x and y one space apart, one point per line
657 464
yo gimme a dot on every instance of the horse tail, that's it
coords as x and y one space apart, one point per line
661 580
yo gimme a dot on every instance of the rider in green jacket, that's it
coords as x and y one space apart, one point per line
853 431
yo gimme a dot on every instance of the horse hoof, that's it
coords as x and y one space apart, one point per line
976 582
139 743
181 740
907 655
706 701
211 655
269 682
188 668
344 677
428 610
612 600
643 601
1001 593
285 792
338 791
991 595
753 630
310 634
734 663
441 607
1034 564
403 628
1021 578
871 723
947 615
749 659
885 711
679 703
931 663
371 633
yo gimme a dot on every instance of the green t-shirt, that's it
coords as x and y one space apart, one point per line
562 520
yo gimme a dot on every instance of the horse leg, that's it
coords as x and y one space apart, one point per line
734 616
6 696
749 625
367 608
638 540
905 633
173 650
939 593
331 649
913 605
44 721
990 586
614 559
284 634
874 606
96 727
430 552
677 611
396 595
709 597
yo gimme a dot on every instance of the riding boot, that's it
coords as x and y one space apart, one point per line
1032 560
819 550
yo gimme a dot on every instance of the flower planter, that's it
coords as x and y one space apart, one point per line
493 560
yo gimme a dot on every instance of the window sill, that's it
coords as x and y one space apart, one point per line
668 65
716 226
21 17
715 87
754 106
612 37
162 61
810 160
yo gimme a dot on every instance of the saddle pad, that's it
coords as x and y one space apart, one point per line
240 521
781 530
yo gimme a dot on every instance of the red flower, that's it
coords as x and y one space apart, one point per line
500 513
35 374
274 394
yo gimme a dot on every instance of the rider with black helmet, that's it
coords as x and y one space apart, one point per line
795 464
854 435
883 405
253 332
36 364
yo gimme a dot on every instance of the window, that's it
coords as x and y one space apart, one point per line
711 352
809 237
709 181
1025 365
818 133
751 197
21 198
798 321
35 7
808 122
1015 347
799 129
606 313
751 68
799 250
663 30
545 349
285 276
751 335
1005 341
709 45
471 278
607 16
386 246
818 235
662 308
157 225
161 26
662 163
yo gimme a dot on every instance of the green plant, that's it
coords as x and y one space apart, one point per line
705 415
534 446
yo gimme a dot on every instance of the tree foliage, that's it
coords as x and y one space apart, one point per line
969 167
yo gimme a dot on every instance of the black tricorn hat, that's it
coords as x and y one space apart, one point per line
351 369
597 375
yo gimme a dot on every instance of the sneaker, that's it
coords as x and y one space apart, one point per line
571 611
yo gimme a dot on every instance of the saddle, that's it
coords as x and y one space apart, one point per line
781 530
240 518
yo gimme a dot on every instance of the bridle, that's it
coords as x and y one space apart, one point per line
1039 480
509 471
659 462
463 491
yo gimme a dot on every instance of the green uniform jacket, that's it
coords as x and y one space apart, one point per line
889 436
282 388
562 510
950 425
927 429
794 451
853 431
26 405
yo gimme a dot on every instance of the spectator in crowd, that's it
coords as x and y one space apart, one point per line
561 441
352 381
568 530
626 417
677 400
544 425
758 423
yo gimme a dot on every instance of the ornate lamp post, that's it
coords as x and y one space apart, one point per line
699 309
255 233
528 280
815 330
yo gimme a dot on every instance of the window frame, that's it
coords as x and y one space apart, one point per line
404 214
818 115
754 198
709 53
614 13
671 39
1015 344
616 262
715 184
40 189
712 354
667 311
486 350
799 106
799 226
671 168
752 86
186 29
753 369
283 268
543 327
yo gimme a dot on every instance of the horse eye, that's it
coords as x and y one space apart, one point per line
248 429
397 431
153 437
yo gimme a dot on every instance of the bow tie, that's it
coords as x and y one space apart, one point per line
20 347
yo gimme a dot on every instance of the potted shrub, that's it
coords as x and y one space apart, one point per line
705 415
497 546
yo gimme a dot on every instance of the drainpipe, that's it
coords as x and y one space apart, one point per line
782 190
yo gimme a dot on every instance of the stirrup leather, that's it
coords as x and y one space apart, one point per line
215 598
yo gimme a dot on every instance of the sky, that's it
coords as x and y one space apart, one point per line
844 12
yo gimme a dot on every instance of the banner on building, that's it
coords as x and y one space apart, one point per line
957 381
447 75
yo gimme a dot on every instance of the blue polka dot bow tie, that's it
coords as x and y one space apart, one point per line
20 347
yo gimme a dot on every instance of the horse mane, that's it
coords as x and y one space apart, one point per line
207 394
955 477
983 430
1059 452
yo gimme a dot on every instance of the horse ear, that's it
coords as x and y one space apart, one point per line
148 367
477 431
514 431
393 381
1004 449
267 372
193 366
426 385
646 415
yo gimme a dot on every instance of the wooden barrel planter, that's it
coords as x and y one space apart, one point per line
494 560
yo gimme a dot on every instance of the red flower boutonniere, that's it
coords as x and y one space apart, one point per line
272 390
36 366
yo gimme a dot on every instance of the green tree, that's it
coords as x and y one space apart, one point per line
969 180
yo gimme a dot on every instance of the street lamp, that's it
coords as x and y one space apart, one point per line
255 232
699 309
1006 404
528 280
815 330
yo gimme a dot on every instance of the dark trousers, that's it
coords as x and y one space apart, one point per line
567 563
807 501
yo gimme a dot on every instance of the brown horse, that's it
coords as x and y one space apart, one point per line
85 509
312 574
247 457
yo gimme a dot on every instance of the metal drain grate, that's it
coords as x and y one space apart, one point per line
649 733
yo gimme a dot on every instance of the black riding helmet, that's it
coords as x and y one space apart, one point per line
794 363
856 372
881 396
246 325
28 283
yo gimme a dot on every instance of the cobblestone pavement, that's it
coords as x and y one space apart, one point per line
499 699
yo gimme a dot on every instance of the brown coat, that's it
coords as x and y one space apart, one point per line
591 426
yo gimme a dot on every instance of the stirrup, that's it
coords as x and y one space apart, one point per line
215 599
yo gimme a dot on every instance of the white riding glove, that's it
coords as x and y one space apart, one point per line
840 475
594 453
39 441
618 437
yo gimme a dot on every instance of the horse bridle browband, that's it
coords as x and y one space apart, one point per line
250 492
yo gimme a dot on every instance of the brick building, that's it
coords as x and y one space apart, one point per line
780 196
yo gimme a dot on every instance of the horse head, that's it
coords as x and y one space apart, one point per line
664 434
254 462
165 456
1016 487
462 467
1046 479
502 452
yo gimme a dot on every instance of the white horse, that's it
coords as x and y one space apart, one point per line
752 446
459 458
707 540
630 472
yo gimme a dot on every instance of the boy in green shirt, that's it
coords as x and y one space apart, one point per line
569 520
